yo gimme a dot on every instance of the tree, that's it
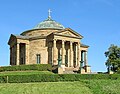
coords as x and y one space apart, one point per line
113 58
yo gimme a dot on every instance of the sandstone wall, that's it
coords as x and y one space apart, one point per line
38 47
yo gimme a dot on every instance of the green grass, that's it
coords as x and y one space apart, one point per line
45 88
24 72
103 86
78 87
82 87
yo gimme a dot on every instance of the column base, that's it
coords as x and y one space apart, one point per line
82 71
60 70
63 67
87 68
54 62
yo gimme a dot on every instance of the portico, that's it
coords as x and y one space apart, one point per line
69 51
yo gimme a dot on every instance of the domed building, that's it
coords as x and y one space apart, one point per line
50 42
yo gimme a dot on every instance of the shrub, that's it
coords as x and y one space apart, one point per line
68 77
118 71
40 67
3 79
55 77
114 76
78 77
32 78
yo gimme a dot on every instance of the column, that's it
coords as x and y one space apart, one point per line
76 60
18 54
78 54
85 58
71 54
63 52
82 58
54 52
50 53
10 55
13 61
26 54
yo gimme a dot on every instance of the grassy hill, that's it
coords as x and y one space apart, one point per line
88 84
79 87
24 72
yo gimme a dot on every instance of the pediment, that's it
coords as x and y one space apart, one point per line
69 32
12 38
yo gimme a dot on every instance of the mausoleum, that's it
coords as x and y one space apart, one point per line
50 42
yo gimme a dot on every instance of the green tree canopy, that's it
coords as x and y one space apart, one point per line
113 58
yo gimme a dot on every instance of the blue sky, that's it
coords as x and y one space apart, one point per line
97 20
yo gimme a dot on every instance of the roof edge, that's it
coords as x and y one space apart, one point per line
84 45
24 32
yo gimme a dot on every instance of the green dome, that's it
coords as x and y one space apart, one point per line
49 24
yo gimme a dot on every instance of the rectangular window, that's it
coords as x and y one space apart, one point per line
38 58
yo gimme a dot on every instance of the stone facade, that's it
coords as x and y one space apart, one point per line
47 45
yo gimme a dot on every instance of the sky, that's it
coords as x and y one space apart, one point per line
97 20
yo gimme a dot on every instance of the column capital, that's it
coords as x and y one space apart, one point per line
18 43
26 44
54 39
79 43
83 51
71 42
63 40
76 44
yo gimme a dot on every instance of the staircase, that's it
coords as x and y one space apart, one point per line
70 70
65 70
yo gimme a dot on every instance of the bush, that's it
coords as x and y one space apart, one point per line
118 71
114 76
3 79
56 77
78 77
68 77
40 67
98 76
29 78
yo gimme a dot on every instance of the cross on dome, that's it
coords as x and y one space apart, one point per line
49 12
49 23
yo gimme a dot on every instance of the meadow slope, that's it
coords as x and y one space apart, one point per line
78 87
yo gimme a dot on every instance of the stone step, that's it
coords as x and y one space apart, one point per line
69 69
69 72
76 69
